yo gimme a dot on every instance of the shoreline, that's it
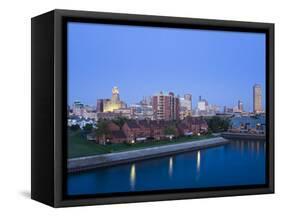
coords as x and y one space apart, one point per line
91 162
229 135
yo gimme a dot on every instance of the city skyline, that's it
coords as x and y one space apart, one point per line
238 105
147 60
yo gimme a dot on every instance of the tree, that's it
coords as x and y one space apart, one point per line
120 121
88 128
74 127
102 130
225 124
170 130
218 124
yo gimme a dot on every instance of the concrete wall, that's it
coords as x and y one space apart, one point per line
90 162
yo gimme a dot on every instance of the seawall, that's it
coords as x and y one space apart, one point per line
229 135
91 162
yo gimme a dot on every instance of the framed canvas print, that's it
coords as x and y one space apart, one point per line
130 108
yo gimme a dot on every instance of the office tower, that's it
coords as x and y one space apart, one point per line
114 103
240 106
257 99
186 106
202 104
78 108
100 105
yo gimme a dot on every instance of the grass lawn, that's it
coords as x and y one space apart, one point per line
79 146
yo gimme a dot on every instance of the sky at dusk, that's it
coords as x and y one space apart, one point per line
220 66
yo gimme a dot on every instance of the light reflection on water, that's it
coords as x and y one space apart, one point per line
171 166
198 161
198 164
225 165
133 176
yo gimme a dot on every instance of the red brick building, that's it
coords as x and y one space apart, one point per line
117 137
135 131
195 124
140 130
111 126
158 129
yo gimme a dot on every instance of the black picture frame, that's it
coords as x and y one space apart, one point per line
49 106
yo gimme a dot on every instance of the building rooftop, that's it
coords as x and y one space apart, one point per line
119 134
132 124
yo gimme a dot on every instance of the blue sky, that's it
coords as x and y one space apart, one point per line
220 66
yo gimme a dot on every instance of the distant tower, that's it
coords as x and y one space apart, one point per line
224 109
115 102
78 108
202 104
115 95
100 105
185 106
257 98
188 97
240 106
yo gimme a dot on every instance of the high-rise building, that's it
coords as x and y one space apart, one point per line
114 103
188 101
257 98
165 106
146 101
240 106
225 109
142 111
99 105
212 109
78 108
186 106
115 98
202 104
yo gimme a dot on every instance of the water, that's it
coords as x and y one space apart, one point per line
253 121
242 162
